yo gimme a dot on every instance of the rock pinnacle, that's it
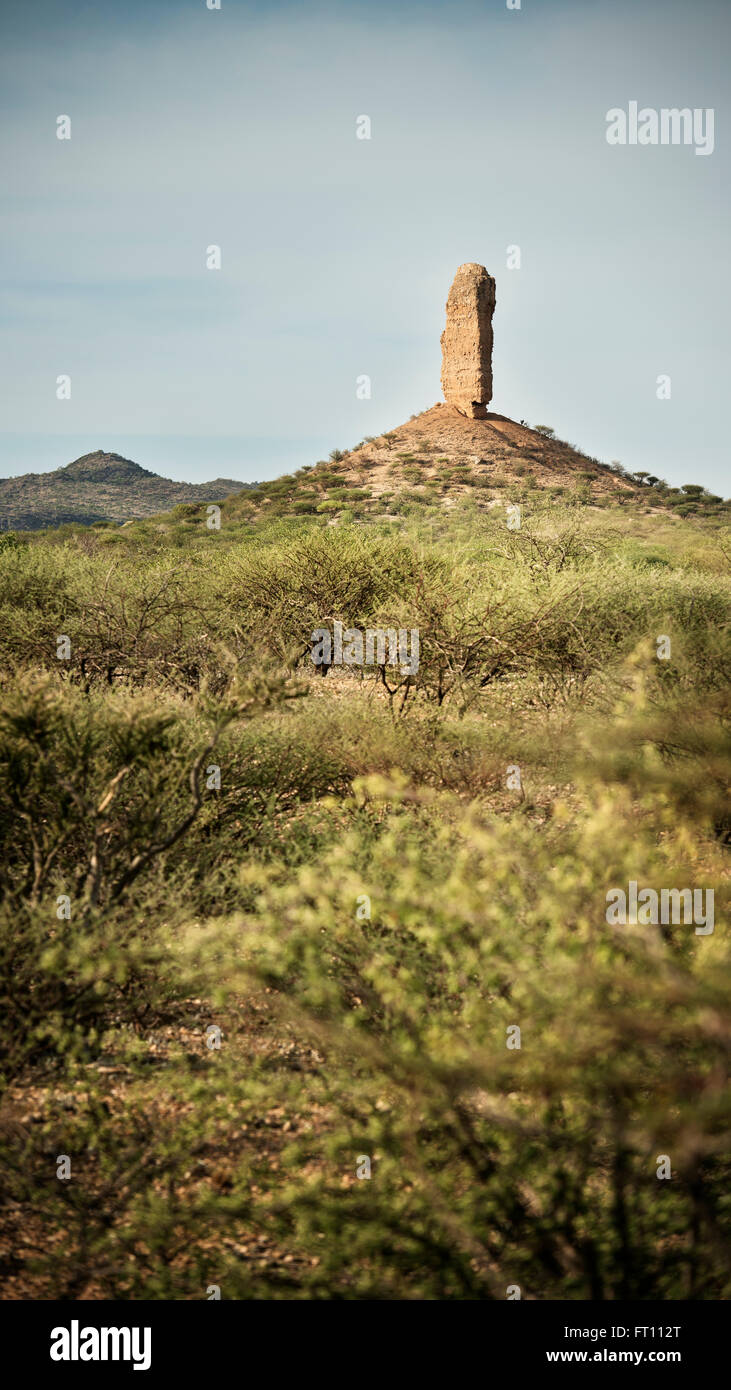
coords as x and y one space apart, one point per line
467 342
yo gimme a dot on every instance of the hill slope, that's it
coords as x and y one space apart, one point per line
438 457
441 457
98 487
442 448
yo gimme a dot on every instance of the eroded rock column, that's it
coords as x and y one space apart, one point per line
467 341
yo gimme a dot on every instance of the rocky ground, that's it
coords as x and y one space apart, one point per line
491 452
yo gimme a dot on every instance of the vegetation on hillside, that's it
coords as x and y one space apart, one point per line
426 464
95 488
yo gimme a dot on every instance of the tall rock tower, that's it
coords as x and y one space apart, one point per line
467 341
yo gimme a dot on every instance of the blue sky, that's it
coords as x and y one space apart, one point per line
237 127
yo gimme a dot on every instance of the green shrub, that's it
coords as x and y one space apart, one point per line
365 902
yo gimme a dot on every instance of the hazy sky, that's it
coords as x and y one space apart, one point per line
192 127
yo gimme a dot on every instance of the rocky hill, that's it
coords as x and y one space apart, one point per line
436 458
442 458
458 449
98 487
444 453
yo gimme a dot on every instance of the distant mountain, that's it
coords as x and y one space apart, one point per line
99 487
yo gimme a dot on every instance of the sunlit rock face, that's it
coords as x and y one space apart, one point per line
467 341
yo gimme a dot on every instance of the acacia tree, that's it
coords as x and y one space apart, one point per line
94 798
